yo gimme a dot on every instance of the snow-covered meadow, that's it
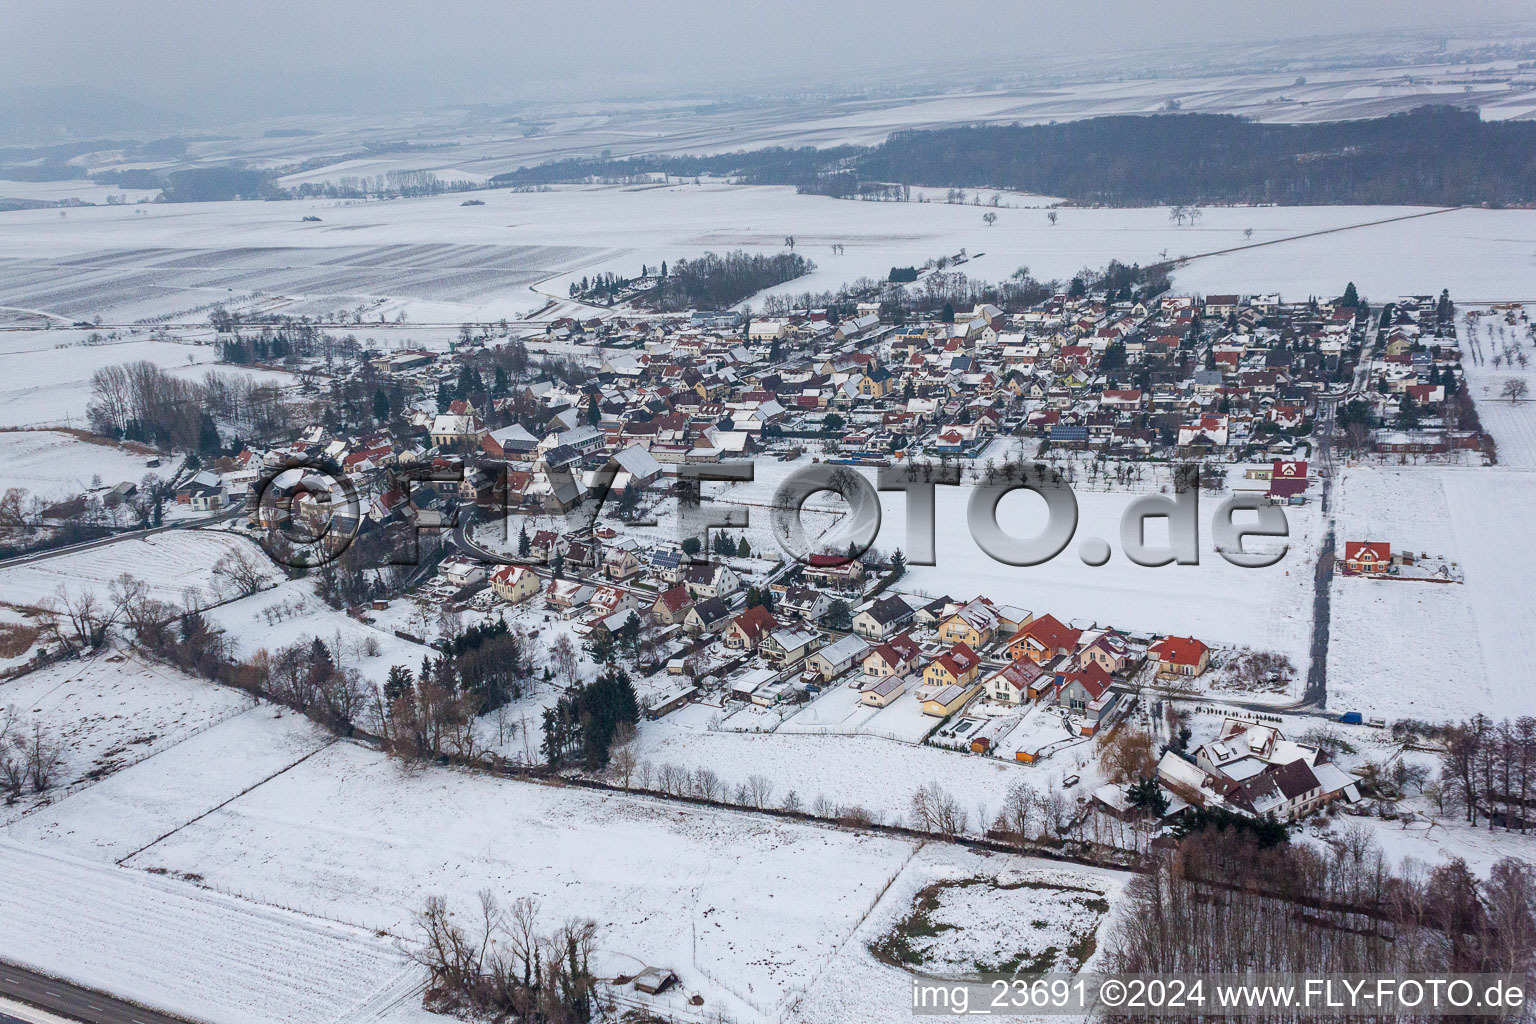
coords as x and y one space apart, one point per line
113 710
173 564
753 905
45 376
436 260
51 464
1435 650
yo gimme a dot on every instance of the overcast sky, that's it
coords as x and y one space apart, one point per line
237 60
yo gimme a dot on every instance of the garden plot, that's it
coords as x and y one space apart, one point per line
173 564
991 904
114 710
838 711
1431 650
746 909
57 466
1015 925
290 613
186 950
1512 423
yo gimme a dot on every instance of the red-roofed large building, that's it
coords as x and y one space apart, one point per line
1179 656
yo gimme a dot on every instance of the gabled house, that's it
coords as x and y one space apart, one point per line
1019 682
838 657
1179 656
748 629
956 667
1365 556
515 584
1043 639
896 657
973 624
882 618
707 616
785 647
672 606
711 579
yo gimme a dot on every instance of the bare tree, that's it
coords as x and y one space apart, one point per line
759 790
239 572
565 660
13 761
44 756
936 810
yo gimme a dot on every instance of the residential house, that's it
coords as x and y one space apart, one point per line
882 692
707 616
1369 557
882 618
1019 682
838 657
748 629
895 657
784 647
1179 656
973 624
957 666
1043 639
672 606
515 584
461 571
711 579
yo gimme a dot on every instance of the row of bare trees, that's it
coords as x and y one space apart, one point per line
1489 768
143 402
1220 903
501 965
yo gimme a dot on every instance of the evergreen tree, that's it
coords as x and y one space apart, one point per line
397 683
380 405
743 549
1351 297
1147 795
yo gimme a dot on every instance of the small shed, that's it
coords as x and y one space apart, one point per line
654 980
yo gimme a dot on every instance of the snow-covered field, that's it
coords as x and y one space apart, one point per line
871 772
114 710
487 262
173 564
290 612
755 905
856 987
184 777
56 465
45 376
1429 650
173 946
